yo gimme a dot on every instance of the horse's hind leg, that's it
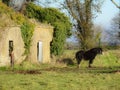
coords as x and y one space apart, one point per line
78 62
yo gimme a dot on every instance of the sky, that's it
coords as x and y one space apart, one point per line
108 11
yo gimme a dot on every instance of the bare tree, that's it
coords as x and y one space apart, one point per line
17 5
116 23
97 35
114 32
82 12
115 4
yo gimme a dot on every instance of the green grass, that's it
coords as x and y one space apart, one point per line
105 75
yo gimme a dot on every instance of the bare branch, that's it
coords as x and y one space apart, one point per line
115 4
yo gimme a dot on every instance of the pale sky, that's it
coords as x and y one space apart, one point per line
109 10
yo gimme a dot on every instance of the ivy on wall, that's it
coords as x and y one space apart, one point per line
27 28
60 21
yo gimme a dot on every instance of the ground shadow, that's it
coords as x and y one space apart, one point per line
68 69
68 61
28 72
114 69
102 70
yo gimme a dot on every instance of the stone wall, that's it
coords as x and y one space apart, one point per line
11 34
43 33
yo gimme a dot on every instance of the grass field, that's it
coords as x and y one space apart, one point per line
105 75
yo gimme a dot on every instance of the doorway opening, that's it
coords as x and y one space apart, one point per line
40 51
11 47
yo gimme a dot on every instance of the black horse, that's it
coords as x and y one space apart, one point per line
87 55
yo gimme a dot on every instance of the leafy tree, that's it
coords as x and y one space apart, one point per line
61 23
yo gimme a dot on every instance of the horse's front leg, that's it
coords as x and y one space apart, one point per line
90 62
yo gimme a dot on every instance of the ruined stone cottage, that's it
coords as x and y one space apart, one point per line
40 48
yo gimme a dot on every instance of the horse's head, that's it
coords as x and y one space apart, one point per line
99 50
